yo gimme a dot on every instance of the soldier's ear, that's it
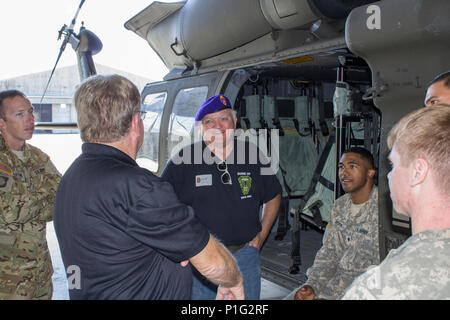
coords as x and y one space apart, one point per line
2 124
419 171
371 173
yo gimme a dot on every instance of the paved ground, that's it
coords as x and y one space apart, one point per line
60 290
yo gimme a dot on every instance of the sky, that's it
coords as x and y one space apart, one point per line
29 32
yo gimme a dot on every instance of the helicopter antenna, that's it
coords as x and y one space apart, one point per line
68 32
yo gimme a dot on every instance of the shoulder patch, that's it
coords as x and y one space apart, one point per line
5 169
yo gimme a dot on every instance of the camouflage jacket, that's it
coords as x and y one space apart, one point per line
418 270
350 247
27 191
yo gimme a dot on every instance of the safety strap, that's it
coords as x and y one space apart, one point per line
322 122
297 127
261 112
283 175
276 119
317 217
317 173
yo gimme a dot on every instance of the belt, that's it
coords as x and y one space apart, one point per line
236 247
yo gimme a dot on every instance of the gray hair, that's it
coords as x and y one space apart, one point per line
105 107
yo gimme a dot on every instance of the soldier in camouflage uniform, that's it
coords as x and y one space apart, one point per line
351 244
420 188
28 182
419 269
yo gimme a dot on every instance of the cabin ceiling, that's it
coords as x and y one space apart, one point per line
323 67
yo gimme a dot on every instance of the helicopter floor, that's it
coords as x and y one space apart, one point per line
276 258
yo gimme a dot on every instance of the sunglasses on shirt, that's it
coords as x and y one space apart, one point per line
225 177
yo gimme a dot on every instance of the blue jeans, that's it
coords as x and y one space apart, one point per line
249 263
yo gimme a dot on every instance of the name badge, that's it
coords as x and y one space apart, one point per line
203 180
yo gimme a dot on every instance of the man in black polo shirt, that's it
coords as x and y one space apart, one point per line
120 227
216 177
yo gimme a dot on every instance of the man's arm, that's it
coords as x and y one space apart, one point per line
218 266
270 212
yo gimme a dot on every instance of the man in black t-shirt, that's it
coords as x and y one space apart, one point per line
217 178
122 231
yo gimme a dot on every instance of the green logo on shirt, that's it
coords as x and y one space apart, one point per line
246 183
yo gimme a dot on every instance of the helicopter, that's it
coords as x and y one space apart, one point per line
315 76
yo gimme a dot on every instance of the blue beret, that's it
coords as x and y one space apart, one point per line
211 105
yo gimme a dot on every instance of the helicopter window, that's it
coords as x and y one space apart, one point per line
182 119
148 154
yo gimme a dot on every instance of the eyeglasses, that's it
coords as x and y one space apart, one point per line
142 114
225 177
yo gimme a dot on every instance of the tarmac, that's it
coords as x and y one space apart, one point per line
59 278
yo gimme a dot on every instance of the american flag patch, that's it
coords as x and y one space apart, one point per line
5 169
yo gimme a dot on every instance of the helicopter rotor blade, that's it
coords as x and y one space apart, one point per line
51 74
67 37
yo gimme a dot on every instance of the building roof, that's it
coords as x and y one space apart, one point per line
62 85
